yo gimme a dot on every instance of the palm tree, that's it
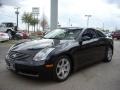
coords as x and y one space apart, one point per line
33 22
26 18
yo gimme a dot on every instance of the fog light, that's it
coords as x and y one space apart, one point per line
49 66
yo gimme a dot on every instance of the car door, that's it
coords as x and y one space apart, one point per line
89 48
101 44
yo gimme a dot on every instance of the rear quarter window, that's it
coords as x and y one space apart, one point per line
100 34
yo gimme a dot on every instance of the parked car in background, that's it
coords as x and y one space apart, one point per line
108 34
3 36
60 52
116 34
22 35
8 27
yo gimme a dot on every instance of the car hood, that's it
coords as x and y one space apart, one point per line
40 44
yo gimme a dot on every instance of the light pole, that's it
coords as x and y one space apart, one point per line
103 26
17 13
88 17
0 4
54 14
69 22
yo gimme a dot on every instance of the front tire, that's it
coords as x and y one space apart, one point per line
62 69
109 54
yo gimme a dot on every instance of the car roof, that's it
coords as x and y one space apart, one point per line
117 31
70 28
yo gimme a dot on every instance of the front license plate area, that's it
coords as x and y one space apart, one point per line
12 65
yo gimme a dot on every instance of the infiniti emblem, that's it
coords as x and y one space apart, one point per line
14 55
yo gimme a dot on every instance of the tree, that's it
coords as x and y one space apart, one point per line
44 22
33 22
27 18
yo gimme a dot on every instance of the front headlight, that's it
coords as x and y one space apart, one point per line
42 55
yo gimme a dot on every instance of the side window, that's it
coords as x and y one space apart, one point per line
100 34
72 34
93 34
2 25
89 34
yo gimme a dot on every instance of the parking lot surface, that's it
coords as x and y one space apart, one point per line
101 76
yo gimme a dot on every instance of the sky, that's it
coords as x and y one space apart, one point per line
105 13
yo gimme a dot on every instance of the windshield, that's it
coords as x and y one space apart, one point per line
63 34
9 24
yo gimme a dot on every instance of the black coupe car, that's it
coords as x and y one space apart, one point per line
60 52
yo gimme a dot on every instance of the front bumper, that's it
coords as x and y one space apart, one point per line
27 68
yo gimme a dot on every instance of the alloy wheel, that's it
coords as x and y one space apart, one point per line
9 34
109 55
63 68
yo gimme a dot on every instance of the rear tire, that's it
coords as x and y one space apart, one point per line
9 34
62 68
109 54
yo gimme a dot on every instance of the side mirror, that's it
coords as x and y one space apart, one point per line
85 38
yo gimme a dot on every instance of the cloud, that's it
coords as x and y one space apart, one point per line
101 11
10 2
114 1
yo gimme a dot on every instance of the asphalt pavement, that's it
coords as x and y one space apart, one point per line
101 76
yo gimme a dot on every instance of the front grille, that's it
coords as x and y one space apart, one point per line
17 55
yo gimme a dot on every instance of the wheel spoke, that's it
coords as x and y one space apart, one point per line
58 66
66 64
63 73
109 54
62 62
60 71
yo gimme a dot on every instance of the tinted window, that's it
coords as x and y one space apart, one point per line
90 33
100 34
117 32
9 24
